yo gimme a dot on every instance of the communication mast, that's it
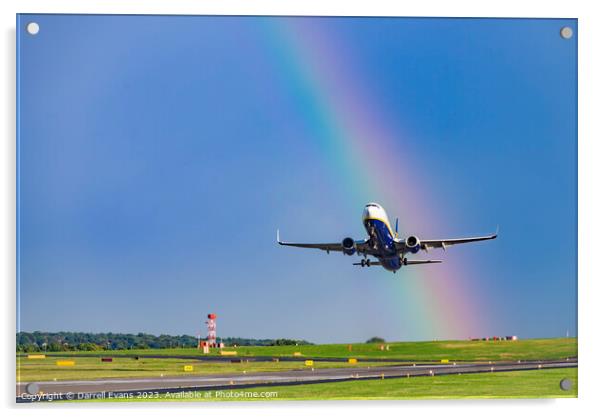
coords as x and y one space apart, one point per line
211 332
211 341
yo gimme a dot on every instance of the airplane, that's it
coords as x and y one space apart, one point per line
385 245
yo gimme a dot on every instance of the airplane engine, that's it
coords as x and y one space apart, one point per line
348 246
412 244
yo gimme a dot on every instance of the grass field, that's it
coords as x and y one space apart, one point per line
520 384
29 370
92 368
457 350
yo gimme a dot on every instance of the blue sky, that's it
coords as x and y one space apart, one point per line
158 155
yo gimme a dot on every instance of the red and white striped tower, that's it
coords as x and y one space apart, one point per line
211 332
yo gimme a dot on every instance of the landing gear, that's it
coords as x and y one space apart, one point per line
364 262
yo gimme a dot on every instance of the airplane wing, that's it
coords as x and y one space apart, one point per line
361 245
444 243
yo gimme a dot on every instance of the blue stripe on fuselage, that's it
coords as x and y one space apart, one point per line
377 229
391 264
387 255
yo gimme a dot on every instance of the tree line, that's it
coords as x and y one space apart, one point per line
68 341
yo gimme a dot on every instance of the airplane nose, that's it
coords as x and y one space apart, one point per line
372 211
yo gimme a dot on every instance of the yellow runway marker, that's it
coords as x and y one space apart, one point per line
36 356
65 363
352 360
188 368
309 363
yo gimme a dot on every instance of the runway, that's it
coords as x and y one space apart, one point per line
99 388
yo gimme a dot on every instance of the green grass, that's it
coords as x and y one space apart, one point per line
518 384
92 367
457 350
29 370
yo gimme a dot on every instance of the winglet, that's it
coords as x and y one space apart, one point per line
497 230
278 236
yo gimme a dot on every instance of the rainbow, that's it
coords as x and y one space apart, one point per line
352 129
